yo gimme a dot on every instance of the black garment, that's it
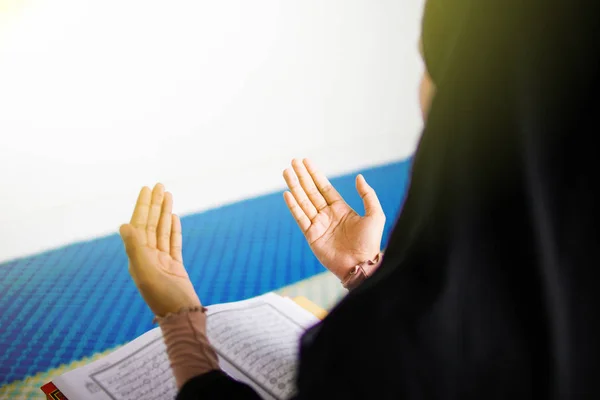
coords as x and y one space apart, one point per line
216 385
489 285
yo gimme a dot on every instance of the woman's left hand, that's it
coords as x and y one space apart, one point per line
153 243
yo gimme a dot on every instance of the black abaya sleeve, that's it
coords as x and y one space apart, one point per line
216 385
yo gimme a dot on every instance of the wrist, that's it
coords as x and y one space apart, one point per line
163 308
169 316
344 270
361 271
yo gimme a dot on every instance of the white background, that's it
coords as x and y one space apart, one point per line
212 98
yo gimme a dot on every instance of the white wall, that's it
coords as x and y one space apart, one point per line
212 98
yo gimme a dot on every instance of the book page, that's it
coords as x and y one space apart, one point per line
257 342
138 370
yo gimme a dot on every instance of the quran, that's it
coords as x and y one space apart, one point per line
256 340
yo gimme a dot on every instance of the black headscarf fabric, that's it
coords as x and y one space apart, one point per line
489 286
490 283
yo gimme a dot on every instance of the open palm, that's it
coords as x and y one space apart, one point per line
153 243
338 236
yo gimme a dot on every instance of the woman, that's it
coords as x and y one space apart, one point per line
488 284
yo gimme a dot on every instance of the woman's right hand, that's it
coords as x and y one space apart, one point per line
337 235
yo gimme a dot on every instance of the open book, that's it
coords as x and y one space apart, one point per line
257 341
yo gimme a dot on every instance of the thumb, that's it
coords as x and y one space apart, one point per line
370 200
129 237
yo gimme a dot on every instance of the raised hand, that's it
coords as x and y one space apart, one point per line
153 243
337 235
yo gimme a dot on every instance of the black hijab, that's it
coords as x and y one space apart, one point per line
489 284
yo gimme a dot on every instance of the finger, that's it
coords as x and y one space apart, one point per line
307 183
139 218
299 215
158 195
323 185
163 231
298 192
176 239
130 239
370 200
